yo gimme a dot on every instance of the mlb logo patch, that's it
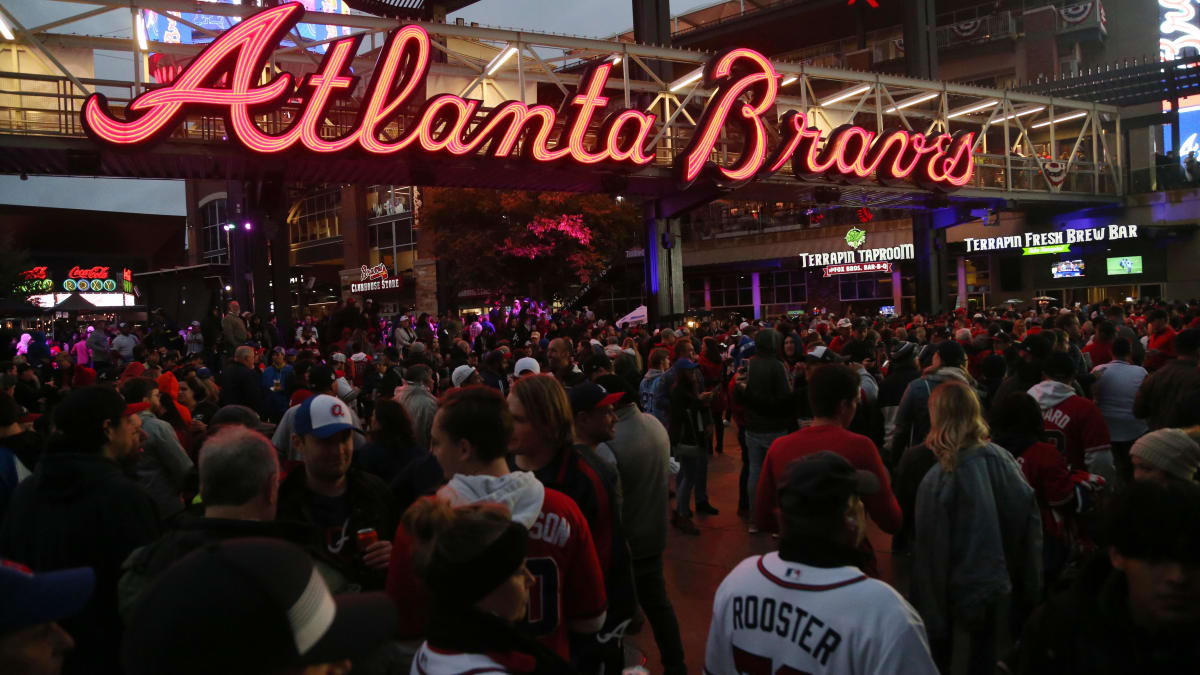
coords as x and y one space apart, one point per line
791 573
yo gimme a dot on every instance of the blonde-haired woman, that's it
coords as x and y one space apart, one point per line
977 561
472 559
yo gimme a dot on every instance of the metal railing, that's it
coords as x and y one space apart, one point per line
39 105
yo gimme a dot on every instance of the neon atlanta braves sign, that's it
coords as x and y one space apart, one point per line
451 125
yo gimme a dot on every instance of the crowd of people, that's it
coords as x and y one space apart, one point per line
493 492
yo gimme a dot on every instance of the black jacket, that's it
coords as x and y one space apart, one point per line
241 386
767 395
189 533
80 510
1087 630
370 506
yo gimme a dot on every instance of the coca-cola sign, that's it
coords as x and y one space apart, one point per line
97 272
227 77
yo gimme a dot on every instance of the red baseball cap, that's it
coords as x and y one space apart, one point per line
135 408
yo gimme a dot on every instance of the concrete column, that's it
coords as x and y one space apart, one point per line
928 241
962 282
353 224
425 267
707 294
663 267
897 289
920 50
756 295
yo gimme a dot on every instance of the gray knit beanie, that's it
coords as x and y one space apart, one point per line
1171 450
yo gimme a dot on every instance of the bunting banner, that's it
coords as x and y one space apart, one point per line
967 29
1076 13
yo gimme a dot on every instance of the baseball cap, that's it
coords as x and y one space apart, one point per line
32 599
527 364
322 416
597 362
321 377
843 323
589 396
684 364
203 373
249 605
615 384
822 483
135 408
461 374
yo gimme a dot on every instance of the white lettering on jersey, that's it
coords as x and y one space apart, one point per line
1056 417
551 529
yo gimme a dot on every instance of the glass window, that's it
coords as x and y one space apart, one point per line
390 225
316 216
865 287
214 240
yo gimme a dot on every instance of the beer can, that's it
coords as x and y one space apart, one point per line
366 537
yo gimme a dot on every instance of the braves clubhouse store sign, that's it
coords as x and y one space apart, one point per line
225 77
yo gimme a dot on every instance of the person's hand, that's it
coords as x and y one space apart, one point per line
378 554
197 426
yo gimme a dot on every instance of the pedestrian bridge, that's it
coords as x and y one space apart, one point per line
1024 147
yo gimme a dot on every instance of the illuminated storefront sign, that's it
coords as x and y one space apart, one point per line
1042 250
745 89
377 272
1059 238
858 268
855 238
379 285
103 286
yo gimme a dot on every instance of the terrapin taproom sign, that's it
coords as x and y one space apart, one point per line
225 78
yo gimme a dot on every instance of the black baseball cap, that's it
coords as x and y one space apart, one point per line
249 605
321 377
821 484
617 385
589 396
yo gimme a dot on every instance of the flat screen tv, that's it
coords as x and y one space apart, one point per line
1126 264
1066 268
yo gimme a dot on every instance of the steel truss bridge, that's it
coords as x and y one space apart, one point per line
41 132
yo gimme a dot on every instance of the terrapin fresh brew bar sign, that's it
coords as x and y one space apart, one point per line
225 78
1035 243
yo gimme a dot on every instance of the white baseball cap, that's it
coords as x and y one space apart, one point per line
323 416
843 323
461 374
527 364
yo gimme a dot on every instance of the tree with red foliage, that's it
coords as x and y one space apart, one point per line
544 244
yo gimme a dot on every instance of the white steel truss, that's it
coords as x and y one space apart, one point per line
1026 146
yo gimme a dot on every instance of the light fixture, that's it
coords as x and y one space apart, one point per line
1064 118
140 29
228 288
247 225
686 80
837 98
788 80
228 226
1027 111
500 59
615 59
908 103
5 30
971 109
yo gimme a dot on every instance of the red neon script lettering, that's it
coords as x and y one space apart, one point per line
447 125
90 273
